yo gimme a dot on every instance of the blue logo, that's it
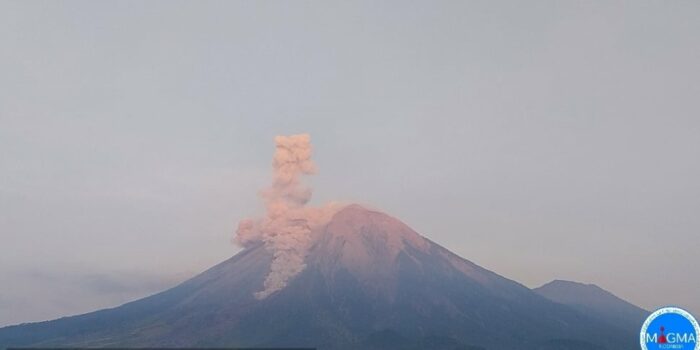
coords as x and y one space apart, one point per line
670 328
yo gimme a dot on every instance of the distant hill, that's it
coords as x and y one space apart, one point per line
594 301
370 282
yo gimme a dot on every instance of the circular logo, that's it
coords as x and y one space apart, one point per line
670 328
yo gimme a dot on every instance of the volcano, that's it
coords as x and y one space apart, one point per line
369 282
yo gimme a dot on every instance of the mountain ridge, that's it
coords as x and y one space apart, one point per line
368 279
593 301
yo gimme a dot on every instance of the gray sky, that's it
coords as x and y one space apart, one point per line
540 140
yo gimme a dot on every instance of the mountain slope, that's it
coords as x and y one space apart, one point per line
370 282
594 302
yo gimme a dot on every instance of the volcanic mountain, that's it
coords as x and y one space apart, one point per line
369 282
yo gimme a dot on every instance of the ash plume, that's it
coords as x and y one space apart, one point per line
287 230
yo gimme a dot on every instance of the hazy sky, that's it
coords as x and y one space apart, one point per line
541 140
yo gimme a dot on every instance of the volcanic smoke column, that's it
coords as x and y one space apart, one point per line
287 229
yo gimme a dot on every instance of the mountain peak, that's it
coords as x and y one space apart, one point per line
354 207
365 243
355 224
571 284
592 300
571 289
